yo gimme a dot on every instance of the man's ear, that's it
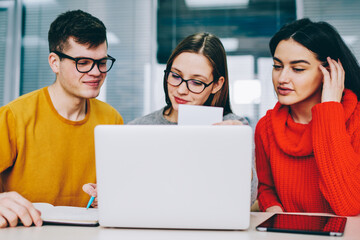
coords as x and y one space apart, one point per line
54 62
218 85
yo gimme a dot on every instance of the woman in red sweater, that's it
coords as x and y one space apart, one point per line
308 146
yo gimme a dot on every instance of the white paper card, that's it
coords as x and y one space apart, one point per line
199 115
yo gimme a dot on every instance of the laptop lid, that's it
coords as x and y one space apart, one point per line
178 177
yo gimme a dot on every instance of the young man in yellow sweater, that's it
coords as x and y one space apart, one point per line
47 136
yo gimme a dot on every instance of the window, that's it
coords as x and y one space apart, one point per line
10 27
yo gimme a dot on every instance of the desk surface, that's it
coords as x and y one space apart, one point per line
352 231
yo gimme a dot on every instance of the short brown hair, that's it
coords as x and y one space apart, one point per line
82 26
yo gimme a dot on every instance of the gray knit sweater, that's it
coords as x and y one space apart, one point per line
157 118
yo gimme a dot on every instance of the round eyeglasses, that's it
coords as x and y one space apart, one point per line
85 65
194 86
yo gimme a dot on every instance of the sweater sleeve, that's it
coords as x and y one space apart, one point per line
337 154
7 138
267 196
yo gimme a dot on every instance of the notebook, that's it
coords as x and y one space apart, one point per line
67 215
174 177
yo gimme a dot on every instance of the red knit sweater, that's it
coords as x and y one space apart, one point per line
311 167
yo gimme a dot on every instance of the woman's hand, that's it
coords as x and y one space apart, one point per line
274 209
229 122
334 81
91 189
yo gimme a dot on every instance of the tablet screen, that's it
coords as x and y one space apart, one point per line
309 224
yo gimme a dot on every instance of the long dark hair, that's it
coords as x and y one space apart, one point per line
211 47
324 41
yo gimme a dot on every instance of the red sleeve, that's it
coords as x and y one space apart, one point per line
267 195
336 149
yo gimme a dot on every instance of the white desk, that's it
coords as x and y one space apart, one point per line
352 231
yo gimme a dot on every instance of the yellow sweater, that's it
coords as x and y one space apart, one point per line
45 157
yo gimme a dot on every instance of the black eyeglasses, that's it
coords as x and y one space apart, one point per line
85 65
194 86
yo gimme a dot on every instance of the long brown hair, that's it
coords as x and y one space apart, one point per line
211 47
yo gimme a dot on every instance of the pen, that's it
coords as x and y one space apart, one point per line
90 202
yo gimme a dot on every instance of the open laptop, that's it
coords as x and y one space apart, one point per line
174 177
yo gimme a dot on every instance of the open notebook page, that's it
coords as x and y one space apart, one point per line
67 215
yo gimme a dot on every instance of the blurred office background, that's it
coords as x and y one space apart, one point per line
142 34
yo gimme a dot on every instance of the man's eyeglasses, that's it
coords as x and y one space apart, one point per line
194 86
85 65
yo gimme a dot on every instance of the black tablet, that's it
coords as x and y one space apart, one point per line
308 224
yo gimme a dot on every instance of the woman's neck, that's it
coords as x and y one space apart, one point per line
301 112
173 116
301 115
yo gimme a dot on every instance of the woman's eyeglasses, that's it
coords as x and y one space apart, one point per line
194 86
